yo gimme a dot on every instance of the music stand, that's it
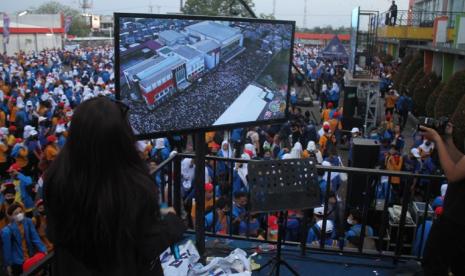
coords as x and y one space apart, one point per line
280 185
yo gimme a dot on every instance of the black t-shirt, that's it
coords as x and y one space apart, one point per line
454 202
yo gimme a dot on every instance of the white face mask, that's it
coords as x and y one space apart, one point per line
350 221
19 217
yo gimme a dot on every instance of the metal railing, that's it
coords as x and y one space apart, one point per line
417 18
172 193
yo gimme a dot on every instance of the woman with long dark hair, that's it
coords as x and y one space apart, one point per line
103 213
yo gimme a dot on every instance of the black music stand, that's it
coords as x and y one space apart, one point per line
280 185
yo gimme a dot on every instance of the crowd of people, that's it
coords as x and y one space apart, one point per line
39 91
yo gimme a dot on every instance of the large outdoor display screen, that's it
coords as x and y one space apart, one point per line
183 73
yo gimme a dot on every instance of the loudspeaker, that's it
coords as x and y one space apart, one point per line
365 154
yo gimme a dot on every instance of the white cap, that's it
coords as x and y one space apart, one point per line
311 146
443 189
329 225
326 164
355 130
160 143
415 152
319 210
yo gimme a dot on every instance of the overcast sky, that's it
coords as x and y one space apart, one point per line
319 12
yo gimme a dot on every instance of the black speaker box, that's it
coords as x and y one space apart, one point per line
365 153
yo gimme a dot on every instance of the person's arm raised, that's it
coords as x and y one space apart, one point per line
454 171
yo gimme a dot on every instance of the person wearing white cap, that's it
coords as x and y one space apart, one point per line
314 233
160 151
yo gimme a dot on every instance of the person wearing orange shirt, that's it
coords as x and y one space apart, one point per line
326 139
40 222
390 102
2 118
3 156
20 153
325 114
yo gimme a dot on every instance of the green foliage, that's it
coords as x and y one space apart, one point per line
423 90
450 96
415 65
325 30
413 82
402 68
266 16
429 108
458 119
216 8
79 26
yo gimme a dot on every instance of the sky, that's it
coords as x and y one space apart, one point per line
319 12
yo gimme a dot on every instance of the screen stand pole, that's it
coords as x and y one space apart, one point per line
199 186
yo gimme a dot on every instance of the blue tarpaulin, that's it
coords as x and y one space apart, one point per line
335 50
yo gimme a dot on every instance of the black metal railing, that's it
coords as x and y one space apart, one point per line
387 243
417 18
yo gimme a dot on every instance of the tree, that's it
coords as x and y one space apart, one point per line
402 68
79 26
432 99
415 65
450 96
217 8
413 82
422 91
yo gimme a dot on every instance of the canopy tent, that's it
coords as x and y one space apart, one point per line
335 50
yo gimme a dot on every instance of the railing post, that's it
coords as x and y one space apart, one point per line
177 184
403 216
325 211
384 216
199 182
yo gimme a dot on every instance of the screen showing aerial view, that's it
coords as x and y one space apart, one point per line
180 73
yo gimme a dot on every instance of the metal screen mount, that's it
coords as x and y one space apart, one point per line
283 185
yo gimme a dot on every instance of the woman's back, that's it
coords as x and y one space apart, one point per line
103 214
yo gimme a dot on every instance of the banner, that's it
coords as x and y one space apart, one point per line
6 28
68 21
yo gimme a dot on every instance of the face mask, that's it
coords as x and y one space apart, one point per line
19 217
10 201
350 221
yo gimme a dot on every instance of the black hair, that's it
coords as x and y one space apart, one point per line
238 195
221 203
356 214
97 188
13 207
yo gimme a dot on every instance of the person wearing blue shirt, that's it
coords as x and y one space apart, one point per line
239 210
25 185
223 212
161 151
225 152
21 229
355 221
314 233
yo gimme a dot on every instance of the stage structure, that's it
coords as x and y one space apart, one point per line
361 102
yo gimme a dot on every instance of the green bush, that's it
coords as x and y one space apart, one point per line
414 82
450 96
397 78
432 99
415 65
425 87
458 119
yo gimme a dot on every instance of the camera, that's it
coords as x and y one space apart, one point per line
437 124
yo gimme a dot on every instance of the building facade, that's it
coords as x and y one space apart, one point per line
33 32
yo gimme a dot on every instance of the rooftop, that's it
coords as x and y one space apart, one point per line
170 35
186 52
206 45
214 30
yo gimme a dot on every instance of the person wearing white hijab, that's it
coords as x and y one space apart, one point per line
312 151
297 151
226 150
240 182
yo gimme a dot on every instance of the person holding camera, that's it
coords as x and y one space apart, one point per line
443 254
